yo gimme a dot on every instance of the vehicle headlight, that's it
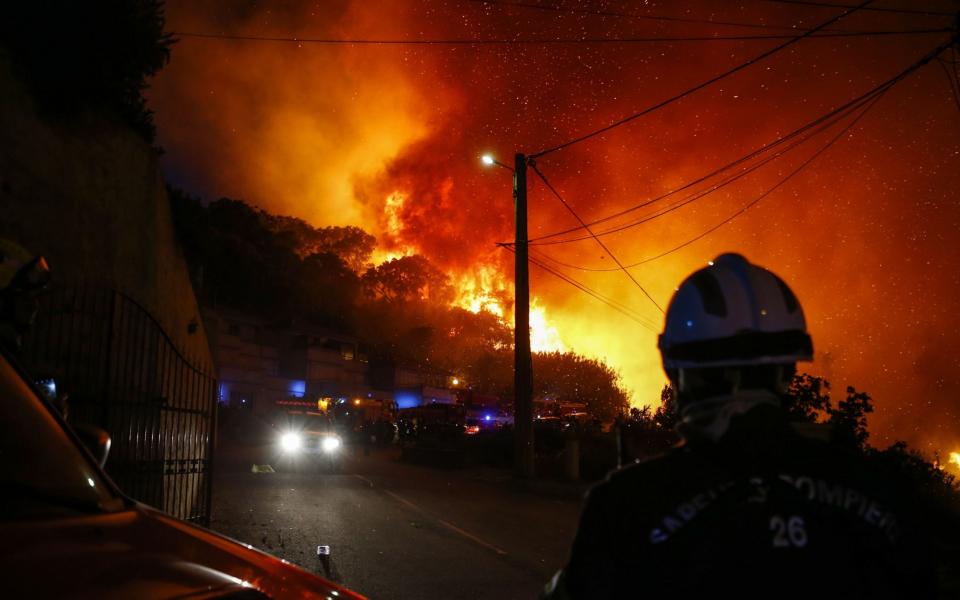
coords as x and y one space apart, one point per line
290 442
331 444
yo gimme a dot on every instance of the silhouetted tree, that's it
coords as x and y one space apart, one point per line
665 417
567 376
351 244
807 399
245 258
88 56
849 419
407 279
327 290
237 260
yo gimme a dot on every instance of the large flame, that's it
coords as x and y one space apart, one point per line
544 337
390 246
955 459
482 289
486 289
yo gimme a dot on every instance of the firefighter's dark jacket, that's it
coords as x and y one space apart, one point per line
763 512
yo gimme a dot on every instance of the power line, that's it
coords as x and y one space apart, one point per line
616 305
621 308
696 196
699 86
689 198
610 13
541 240
542 41
907 11
643 321
956 69
756 200
549 185
765 148
779 184
951 81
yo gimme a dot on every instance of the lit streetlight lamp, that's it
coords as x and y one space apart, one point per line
489 160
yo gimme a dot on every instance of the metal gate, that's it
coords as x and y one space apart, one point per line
124 374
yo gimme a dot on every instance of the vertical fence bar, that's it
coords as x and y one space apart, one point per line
137 407
213 407
106 388
178 436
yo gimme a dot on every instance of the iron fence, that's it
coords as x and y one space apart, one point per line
124 374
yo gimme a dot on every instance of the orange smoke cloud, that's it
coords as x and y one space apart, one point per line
388 138
283 126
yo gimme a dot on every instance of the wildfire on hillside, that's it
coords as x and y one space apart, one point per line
389 139
483 288
477 288
486 290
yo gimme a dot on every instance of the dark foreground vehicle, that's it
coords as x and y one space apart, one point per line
68 532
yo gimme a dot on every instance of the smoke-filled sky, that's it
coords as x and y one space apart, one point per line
388 137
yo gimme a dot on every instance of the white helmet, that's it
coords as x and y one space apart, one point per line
733 313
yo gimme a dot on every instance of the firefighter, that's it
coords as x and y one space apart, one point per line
744 507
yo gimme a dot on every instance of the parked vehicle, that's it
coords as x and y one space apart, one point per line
431 424
69 532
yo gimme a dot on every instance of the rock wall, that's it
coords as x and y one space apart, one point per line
88 195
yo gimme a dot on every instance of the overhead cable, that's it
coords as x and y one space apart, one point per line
692 197
544 41
952 80
699 86
621 308
553 190
906 11
540 240
756 200
701 193
637 16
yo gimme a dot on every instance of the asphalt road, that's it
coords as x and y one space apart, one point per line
400 531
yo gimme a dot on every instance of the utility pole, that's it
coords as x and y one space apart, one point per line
522 361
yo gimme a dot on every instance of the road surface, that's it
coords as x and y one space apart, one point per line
400 531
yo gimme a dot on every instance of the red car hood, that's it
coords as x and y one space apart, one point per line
142 553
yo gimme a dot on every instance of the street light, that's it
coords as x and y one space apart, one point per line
489 160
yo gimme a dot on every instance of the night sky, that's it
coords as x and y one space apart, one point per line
388 137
